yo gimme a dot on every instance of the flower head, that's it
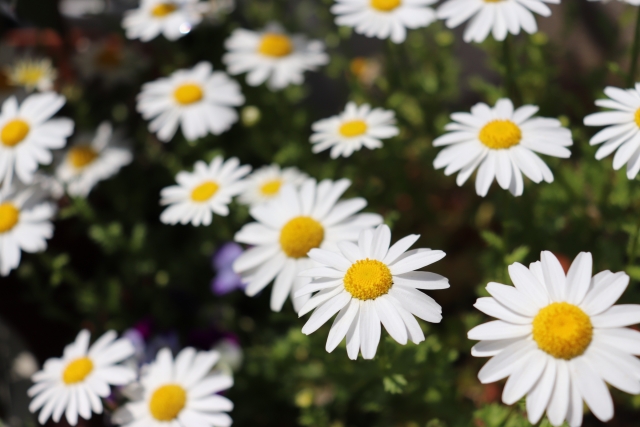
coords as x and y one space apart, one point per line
226 280
171 18
264 184
32 74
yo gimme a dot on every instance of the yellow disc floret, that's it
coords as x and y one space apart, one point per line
77 370
637 117
353 128
300 235
500 134
81 156
368 279
277 45
9 216
163 9
14 132
188 93
385 5
167 402
204 191
271 188
563 330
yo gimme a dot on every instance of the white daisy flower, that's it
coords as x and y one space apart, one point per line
86 164
501 142
265 183
25 225
180 392
559 338
28 133
32 74
622 131
74 384
171 18
207 190
368 284
272 56
199 100
384 18
288 227
353 129
499 17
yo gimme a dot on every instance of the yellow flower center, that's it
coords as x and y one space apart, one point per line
9 216
385 5
163 9
353 128
204 191
271 188
29 74
368 279
14 132
493 1
188 94
563 330
81 156
300 235
637 117
77 370
167 402
274 44
500 134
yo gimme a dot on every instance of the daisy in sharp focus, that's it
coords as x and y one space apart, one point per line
86 164
498 17
370 283
622 131
288 227
356 127
265 183
171 18
200 100
560 339
501 142
203 192
32 74
73 385
272 56
384 18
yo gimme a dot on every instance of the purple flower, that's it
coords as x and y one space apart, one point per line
226 280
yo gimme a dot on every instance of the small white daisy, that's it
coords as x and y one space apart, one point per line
110 59
622 131
384 18
207 190
28 133
353 129
368 284
273 56
171 18
499 17
265 183
501 142
32 74
559 338
199 100
86 164
74 384
180 393
288 227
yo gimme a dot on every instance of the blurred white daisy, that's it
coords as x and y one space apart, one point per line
559 338
111 59
81 8
200 100
265 183
288 227
356 127
622 131
384 18
368 284
499 17
32 74
74 384
501 142
180 392
272 56
631 2
203 192
171 18
28 133
85 164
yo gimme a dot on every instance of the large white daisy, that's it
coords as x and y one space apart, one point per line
74 384
171 18
356 127
288 227
384 18
203 192
499 17
199 100
502 143
368 284
559 338
272 56
265 183
32 74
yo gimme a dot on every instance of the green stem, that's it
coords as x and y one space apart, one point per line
631 77
510 74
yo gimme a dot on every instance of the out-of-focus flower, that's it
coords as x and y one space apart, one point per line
366 70
502 143
631 2
356 127
74 383
199 100
24 365
384 18
80 8
217 9
109 59
273 56
171 18
85 164
288 227
32 74
207 190
226 280
265 183
231 355
368 284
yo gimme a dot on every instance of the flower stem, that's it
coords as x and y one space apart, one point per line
510 75
631 77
